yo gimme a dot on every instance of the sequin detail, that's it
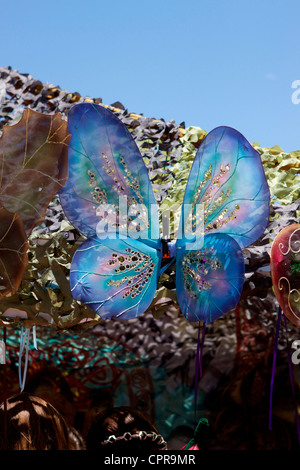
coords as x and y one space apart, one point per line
137 220
210 202
131 182
141 264
99 195
213 201
195 266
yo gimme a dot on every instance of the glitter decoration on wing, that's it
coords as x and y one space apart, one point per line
116 278
106 169
227 178
225 208
109 199
209 281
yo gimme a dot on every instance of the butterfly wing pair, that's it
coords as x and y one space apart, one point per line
108 197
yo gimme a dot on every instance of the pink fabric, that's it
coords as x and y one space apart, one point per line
195 447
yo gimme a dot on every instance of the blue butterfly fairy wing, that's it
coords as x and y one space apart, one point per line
227 190
108 189
116 278
225 208
209 281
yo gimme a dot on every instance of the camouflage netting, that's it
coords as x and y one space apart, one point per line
168 150
238 348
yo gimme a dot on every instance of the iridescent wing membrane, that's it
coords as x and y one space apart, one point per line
115 271
108 197
105 170
225 208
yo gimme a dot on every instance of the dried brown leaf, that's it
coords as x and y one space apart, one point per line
33 164
13 251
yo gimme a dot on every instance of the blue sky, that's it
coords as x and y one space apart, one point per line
204 62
